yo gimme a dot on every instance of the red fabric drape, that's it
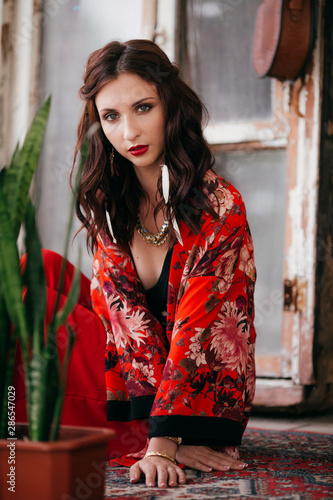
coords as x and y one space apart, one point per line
85 399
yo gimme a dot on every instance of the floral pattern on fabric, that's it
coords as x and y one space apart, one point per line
203 364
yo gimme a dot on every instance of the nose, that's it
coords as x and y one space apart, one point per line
131 129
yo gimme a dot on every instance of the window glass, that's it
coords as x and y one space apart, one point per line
71 31
220 69
261 179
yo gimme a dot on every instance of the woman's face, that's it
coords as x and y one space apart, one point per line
133 119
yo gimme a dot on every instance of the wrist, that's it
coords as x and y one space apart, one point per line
162 445
158 454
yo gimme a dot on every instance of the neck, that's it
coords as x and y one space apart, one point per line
148 180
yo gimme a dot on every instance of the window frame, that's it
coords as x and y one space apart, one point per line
21 26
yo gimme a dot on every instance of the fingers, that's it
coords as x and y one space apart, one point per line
238 465
222 462
206 459
151 474
173 477
135 473
157 469
162 477
232 462
181 475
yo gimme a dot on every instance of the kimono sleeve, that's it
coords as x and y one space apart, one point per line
115 385
207 386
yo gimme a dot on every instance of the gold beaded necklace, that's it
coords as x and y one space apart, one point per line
156 239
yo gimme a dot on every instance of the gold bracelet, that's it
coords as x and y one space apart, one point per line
158 454
174 439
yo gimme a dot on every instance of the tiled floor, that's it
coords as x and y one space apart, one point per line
321 423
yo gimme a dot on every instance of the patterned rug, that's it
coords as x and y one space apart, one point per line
285 465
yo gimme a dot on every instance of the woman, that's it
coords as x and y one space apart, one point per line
173 271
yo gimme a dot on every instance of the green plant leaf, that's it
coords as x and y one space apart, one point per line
4 340
62 315
59 317
84 154
7 351
44 367
62 388
44 388
45 391
34 279
10 276
24 162
14 157
11 282
8 372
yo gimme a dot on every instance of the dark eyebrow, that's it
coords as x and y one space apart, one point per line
142 100
133 105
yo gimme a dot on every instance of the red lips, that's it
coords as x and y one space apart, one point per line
138 150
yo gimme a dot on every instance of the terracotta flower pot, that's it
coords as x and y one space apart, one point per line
71 468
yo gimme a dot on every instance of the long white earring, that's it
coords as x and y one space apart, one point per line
176 227
165 191
165 183
108 220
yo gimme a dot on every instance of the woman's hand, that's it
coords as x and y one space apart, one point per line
167 473
206 459
162 469
156 467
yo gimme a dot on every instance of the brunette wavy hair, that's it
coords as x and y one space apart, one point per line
187 154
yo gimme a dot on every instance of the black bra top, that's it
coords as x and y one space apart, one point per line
157 296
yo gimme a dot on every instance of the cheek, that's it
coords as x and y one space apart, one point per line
111 135
105 130
160 128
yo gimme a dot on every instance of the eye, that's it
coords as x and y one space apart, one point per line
110 117
144 107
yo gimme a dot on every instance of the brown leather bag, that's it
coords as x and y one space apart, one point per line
284 37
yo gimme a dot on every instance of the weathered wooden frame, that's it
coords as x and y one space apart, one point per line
21 26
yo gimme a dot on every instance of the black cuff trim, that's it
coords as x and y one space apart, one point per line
129 410
197 431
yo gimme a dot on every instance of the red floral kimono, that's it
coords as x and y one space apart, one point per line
196 379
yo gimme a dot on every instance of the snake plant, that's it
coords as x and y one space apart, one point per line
23 296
